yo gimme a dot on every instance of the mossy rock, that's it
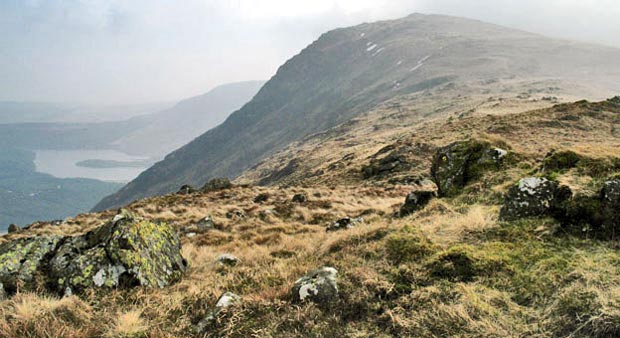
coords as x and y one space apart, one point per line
593 215
560 161
460 163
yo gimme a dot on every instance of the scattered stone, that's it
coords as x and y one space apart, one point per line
227 259
205 224
190 234
225 301
186 190
415 201
459 163
300 198
265 214
2 292
344 223
533 197
319 286
217 184
13 228
235 214
57 222
261 198
126 252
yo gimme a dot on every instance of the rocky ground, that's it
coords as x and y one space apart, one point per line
485 226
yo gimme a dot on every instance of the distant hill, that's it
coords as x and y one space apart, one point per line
349 71
174 127
45 112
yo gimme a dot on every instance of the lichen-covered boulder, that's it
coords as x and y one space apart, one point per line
344 223
219 183
459 163
22 259
126 252
319 286
415 201
533 197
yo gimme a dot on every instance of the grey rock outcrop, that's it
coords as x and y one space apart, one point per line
459 163
533 197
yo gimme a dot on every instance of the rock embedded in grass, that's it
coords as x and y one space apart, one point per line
215 184
261 198
319 286
344 223
415 200
300 198
227 260
225 301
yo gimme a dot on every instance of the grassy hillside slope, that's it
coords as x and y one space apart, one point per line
452 269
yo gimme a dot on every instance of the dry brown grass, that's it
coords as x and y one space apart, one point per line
523 283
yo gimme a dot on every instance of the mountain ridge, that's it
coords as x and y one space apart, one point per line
348 71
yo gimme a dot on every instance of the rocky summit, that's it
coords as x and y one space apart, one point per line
124 253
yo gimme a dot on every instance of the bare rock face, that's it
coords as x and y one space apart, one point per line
416 200
125 252
533 197
319 286
459 163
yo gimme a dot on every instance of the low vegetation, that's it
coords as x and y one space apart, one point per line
451 269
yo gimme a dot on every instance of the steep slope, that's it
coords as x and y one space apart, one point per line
349 71
174 127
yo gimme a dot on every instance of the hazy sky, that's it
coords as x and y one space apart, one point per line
132 51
